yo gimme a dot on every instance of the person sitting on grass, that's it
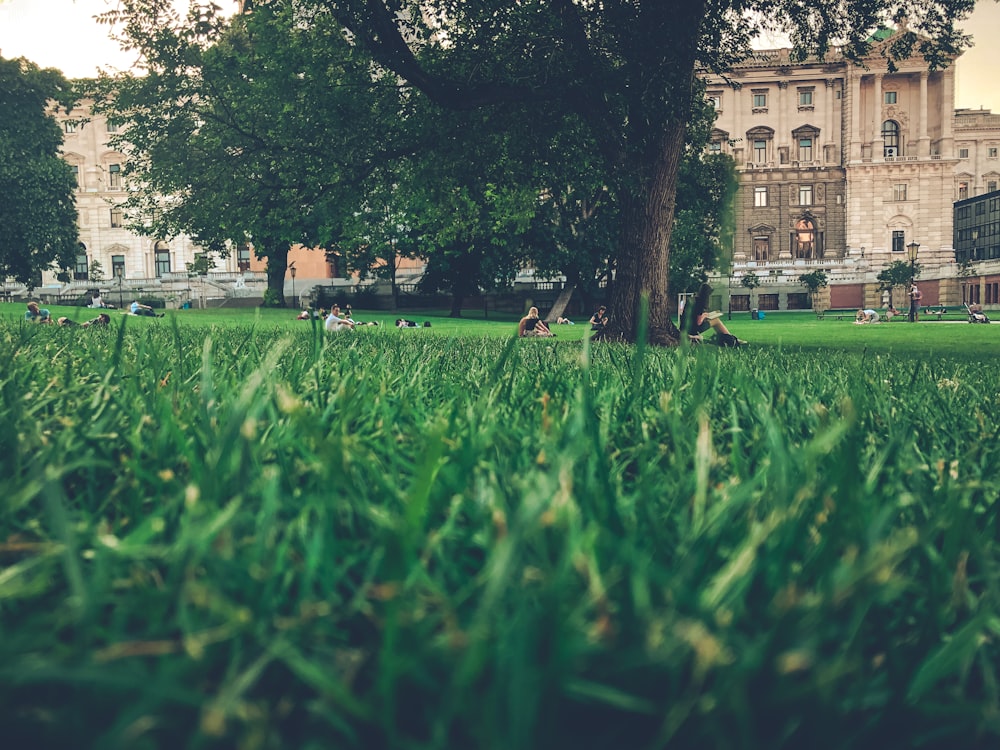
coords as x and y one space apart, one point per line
101 320
36 314
599 319
335 323
866 315
137 308
532 325
701 321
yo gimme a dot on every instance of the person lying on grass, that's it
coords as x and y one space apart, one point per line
36 314
701 321
532 325
137 308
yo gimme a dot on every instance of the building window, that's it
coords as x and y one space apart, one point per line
898 238
761 248
760 100
760 152
116 218
991 152
112 126
69 126
75 169
890 138
715 147
161 255
964 212
759 197
899 192
963 153
118 266
805 98
805 239
889 97
805 195
80 270
991 186
963 191
805 149
715 100
243 258
115 177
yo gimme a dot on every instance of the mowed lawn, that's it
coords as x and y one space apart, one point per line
225 529
931 337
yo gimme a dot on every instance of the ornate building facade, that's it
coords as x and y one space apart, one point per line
841 167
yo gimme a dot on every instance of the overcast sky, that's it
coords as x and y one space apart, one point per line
63 34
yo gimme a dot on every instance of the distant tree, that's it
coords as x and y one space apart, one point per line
95 272
897 273
750 281
201 265
256 129
38 220
813 281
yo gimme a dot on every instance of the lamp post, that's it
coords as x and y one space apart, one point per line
291 270
911 252
121 281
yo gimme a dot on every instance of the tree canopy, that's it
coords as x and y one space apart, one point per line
626 69
38 229
246 131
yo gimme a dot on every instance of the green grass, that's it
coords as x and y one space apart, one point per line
251 534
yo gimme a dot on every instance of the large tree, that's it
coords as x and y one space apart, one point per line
254 129
626 68
38 229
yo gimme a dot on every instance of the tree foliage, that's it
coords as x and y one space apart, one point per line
897 273
38 229
255 128
625 68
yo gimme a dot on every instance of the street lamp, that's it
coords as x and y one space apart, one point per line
911 252
121 280
291 270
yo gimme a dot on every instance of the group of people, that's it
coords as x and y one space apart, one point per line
867 315
700 321
37 314
336 320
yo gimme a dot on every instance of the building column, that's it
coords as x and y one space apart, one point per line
878 145
923 141
782 135
738 136
855 81
828 121
948 113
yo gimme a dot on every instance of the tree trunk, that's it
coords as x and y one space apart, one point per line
277 265
457 298
647 217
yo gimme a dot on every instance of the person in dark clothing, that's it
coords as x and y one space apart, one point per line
701 321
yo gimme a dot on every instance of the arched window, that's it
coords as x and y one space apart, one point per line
890 138
161 253
805 239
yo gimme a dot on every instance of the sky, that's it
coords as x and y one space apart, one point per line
63 34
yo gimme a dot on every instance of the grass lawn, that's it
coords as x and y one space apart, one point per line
800 330
226 529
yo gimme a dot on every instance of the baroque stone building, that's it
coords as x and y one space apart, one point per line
842 166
